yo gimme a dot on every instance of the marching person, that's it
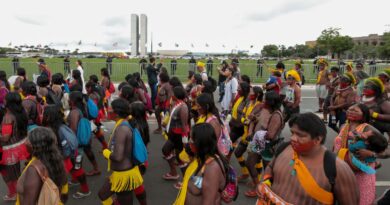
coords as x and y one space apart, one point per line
322 81
293 95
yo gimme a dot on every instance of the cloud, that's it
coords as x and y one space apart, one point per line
123 43
116 21
283 9
30 20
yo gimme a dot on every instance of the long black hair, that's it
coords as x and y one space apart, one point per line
21 72
206 102
245 89
53 118
259 93
3 77
77 98
104 72
127 93
205 141
14 105
76 74
121 107
44 148
138 120
272 99
366 113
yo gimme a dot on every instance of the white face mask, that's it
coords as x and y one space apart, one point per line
367 99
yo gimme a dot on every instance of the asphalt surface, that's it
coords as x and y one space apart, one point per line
161 192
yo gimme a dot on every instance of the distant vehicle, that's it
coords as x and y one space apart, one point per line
14 54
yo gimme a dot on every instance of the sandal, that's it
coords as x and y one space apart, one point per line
157 131
92 173
80 195
178 185
9 198
242 178
169 176
251 193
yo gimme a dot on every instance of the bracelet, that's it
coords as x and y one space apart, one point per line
375 115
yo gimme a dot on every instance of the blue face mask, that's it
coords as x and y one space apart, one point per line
354 147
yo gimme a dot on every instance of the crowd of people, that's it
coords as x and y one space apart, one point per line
46 129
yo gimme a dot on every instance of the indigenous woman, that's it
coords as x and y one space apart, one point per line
12 139
31 103
196 90
77 111
46 162
164 95
269 126
77 80
356 135
205 177
177 129
4 90
250 111
125 175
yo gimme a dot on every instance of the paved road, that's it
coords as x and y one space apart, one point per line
162 192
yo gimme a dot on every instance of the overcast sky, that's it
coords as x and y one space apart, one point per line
235 24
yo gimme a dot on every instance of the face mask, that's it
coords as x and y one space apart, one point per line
343 85
354 117
252 97
302 148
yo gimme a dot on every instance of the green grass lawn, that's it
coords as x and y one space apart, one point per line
122 67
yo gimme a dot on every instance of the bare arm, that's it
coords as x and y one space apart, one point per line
217 127
7 120
346 188
297 97
32 187
385 107
184 119
74 120
211 182
120 142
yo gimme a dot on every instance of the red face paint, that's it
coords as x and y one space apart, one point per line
302 148
368 92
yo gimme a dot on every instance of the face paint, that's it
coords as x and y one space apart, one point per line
302 148
343 85
354 117
368 92
252 97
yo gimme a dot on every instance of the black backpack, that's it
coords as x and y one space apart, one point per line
52 98
329 165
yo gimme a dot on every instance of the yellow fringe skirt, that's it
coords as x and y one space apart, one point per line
126 180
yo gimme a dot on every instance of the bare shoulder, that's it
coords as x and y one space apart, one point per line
342 167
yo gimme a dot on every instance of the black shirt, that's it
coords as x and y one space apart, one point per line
152 74
221 77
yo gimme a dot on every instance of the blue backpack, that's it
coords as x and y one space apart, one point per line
92 109
68 139
83 130
140 153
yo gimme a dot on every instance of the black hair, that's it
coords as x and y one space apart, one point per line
57 79
138 112
94 78
259 92
280 65
29 88
78 99
198 79
41 60
122 84
376 142
80 63
76 87
133 82
53 118
273 100
179 92
246 78
137 76
277 73
175 81
205 141
76 74
152 59
310 123
14 105
164 77
206 102
3 77
127 93
245 89
21 72
121 107
128 77
334 68
208 87
190 74
43 81
366 113
104 72
45 149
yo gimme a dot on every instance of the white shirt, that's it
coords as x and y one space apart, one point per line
230 88
82 78
204 76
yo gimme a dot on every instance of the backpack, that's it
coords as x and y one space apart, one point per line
224 143
49 194
83 130
329 165
92 108
111 89
140 153
52 99
68 139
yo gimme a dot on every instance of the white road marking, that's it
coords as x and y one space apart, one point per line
382 183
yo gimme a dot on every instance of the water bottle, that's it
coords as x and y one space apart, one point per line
197 181
78 162
333 119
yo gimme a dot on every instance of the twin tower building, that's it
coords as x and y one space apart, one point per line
139 33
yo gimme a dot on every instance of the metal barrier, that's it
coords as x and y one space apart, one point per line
119 71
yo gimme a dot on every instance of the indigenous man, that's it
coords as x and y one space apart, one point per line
385 77
202 70
293 95
334 82
304 172
343 97
322 81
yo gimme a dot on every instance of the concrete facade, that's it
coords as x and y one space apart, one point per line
143 35
134 35
372 40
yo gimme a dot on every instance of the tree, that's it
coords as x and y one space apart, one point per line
384 50
327 38
270 50
340 44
